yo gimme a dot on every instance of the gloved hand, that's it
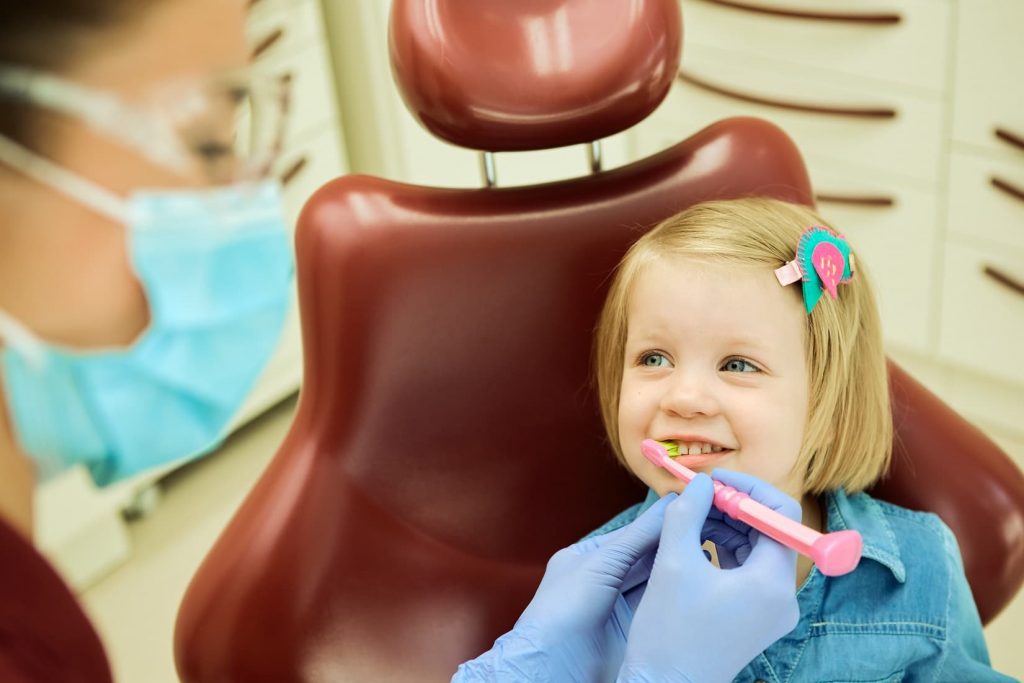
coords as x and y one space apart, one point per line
697 623
564 634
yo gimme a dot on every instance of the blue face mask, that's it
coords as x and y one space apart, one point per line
216 267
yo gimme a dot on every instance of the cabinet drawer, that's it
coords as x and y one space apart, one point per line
910 52
989 71
312 103
284 29
304 168
907 144
897 245
983 318
986 199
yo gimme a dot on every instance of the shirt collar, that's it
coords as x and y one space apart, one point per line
863 513
859 511
651 499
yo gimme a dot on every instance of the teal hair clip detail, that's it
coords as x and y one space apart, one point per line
823 262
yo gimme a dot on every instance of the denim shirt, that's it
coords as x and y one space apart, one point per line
905 614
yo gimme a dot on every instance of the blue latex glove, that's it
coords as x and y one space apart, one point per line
697 623
567 631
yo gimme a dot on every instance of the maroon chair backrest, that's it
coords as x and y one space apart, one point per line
943 464
447 438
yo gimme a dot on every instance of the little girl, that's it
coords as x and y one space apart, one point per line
746 332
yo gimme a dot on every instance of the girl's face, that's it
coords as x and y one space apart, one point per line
714 360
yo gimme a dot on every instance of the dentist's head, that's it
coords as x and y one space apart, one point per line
144 266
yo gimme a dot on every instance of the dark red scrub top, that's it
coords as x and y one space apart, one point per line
45 636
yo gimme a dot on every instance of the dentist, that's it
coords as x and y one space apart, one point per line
144 274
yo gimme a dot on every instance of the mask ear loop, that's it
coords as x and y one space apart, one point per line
32 349
19 338
48 173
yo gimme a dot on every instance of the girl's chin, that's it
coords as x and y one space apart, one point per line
663 488
664 482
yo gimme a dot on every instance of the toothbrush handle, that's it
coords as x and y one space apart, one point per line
835 553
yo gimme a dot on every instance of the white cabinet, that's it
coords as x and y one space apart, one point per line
983 279
979 209
989 71
78 526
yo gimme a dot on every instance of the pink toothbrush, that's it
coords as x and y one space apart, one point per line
835 553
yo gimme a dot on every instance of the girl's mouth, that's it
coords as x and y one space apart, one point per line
695 454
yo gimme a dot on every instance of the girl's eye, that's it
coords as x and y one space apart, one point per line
653 359
739 365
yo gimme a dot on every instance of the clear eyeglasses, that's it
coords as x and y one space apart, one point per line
224 128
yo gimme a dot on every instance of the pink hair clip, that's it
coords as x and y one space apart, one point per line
823 262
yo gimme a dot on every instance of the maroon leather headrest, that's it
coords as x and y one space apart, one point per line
503 75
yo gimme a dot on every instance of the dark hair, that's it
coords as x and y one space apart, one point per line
50 35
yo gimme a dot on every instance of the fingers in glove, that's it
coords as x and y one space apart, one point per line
639 572
723 534
684 521
614 555
769 558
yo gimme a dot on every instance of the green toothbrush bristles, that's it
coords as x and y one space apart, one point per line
671 447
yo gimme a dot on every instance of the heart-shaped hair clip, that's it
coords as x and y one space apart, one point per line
823 262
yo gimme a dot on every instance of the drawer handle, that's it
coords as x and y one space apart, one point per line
1004 279
858 200
879 18
293 171
1008 188
855 111
266 43
1010 138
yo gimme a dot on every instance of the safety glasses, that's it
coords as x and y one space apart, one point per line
226 128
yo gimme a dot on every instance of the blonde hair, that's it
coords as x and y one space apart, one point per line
847 440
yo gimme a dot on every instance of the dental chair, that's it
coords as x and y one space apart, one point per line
447 438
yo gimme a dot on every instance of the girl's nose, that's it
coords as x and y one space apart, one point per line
690 395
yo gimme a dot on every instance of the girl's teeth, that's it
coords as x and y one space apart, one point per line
697 448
